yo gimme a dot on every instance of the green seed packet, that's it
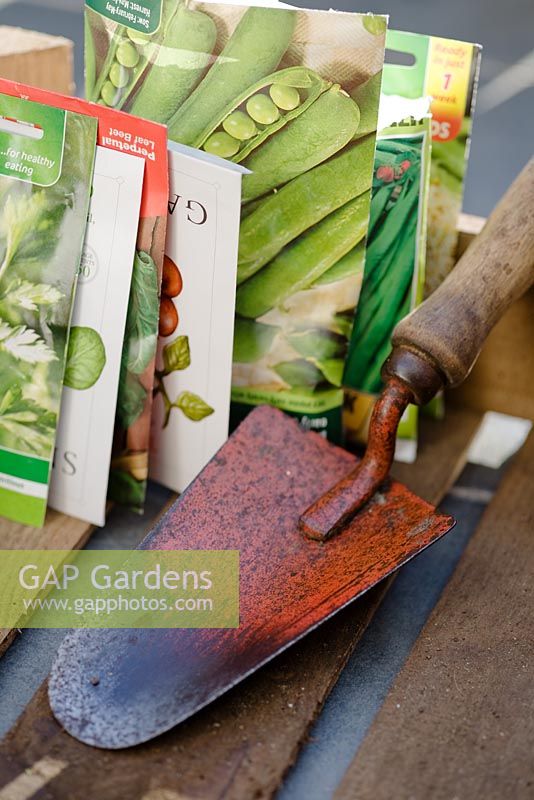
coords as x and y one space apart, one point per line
46 167
446 71
292 95
394 274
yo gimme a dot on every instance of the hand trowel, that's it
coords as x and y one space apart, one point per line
315 527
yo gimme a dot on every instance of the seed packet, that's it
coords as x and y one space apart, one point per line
447 71
147 140
194 363
269 88
83 451
394 273
46 167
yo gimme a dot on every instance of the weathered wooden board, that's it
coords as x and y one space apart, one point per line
502 377
459 721
242 745
59 533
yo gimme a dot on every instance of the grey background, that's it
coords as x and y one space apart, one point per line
504 120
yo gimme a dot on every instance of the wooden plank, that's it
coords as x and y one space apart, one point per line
59 533
241 746
502 377
458 722
65 533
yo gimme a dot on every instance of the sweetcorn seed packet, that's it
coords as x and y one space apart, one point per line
292 95
46 167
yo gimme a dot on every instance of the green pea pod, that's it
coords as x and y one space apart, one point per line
299 373
252 340
182 59
254 50
367 96
317 343
305 260
309 82
332 369
372 381
351 264
301 203
92 26
371 328
326 127
377 271
129 56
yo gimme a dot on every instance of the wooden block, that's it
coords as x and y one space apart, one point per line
59 533
502 377
458 722
242 745
36 59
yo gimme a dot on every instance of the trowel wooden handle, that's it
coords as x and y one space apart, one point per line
437 345
449 329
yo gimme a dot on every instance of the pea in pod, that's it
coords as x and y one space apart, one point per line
367 96
305 260
310 138
252 340
351 264
301 203
254 50
181 61
129 55
255 115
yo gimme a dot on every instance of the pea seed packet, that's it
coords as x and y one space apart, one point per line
292 95
147 140
194 363
83 451
46 167
394 273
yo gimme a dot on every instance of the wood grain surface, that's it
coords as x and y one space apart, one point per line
59 533
459 720
243 744
449 329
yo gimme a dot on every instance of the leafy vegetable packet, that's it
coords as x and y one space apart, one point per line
83 448
292 95
46 167
394 274
194 363
147 140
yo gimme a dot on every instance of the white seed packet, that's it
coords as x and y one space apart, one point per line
191 410
85 433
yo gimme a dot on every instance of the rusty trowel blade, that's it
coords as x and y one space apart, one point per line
249 498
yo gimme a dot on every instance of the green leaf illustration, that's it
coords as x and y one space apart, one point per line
24 425
193 406
176 356
86 358
25 344
131 399
29 296
143 315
